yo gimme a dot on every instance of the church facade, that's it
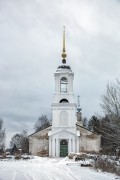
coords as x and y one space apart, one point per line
66 134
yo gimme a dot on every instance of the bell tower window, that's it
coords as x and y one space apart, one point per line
63 85
63 101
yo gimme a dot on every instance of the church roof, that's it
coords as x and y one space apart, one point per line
81 127
42 132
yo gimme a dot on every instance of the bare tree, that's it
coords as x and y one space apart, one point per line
2 135
110 103
20 141
110 137
42 123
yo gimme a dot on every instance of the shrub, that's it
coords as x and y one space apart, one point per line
107 164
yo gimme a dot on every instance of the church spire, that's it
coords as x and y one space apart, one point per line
79 108
78 101
64 55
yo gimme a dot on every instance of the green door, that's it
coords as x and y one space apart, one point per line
63 148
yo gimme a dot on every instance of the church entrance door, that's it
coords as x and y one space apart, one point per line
63 148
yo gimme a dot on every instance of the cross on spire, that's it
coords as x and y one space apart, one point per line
78 107
64 55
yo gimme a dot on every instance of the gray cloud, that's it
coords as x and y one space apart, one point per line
30 48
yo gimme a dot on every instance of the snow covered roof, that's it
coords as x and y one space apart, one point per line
86 130
45 131
42 132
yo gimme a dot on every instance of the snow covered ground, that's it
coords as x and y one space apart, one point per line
48 169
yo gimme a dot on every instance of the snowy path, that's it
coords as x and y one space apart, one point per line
48 169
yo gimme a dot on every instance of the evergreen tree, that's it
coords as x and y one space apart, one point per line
94 124
85 123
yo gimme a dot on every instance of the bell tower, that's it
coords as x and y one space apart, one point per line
64 117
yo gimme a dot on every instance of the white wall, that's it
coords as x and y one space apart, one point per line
36 145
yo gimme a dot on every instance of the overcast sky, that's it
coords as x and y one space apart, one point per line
30 52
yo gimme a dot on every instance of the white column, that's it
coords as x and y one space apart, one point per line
68 85
50 153
70 146
53 147
78 145
57 147
74 145
71 84
56 88
58 84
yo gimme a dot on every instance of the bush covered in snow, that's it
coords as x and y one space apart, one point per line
104 163
108 164
83 158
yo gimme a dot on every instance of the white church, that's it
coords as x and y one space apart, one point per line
66 134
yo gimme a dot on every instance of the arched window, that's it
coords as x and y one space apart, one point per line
63 118
64 101
63 85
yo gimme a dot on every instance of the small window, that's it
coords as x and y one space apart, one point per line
63 85
64 101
